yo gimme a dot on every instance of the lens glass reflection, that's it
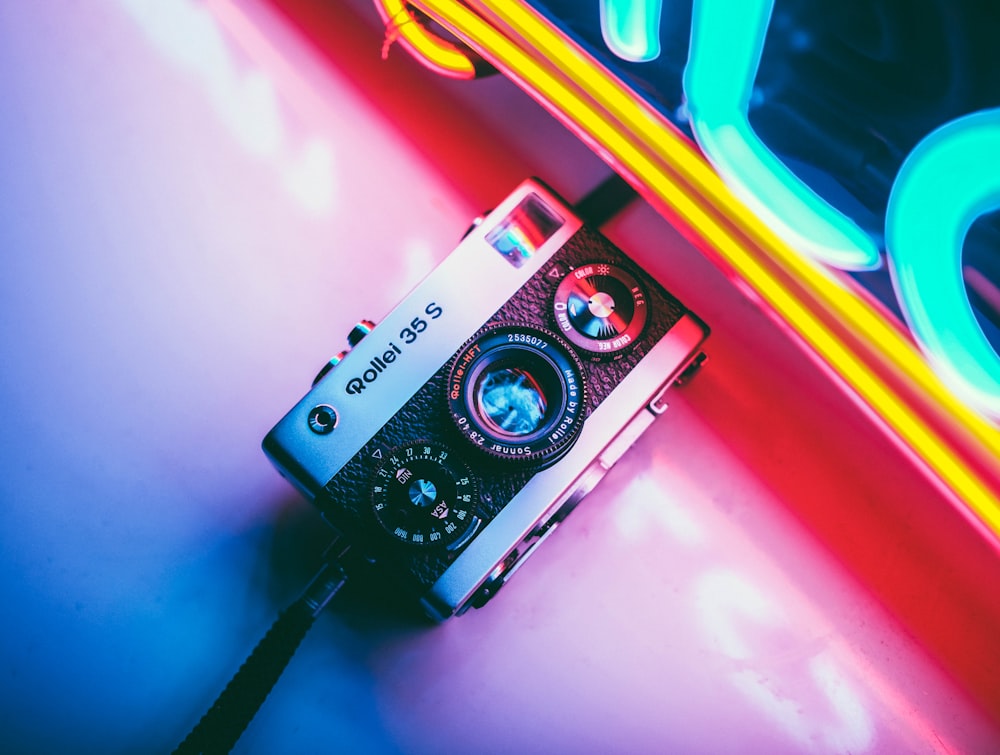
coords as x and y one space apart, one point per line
510 400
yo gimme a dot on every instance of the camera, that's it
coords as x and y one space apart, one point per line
451 439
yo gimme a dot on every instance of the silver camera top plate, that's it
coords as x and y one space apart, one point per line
468 287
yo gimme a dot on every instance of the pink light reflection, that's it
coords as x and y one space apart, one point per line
244 97
810 700
782 648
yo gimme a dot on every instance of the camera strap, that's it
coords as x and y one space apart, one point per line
224 723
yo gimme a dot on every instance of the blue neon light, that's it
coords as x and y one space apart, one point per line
631 28
726 43
946 182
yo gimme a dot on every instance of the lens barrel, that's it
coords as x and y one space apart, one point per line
517 392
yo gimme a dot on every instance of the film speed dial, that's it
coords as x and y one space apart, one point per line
424 495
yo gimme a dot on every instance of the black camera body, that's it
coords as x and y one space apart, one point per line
456 434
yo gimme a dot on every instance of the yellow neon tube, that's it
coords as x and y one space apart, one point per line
432 51
679 178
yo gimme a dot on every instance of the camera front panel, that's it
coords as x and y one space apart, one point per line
502 469
501 417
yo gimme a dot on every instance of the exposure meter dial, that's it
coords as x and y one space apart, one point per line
601 309
424 495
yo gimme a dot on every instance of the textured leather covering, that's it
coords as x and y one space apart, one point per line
346 501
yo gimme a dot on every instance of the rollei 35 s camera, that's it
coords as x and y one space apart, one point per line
453 437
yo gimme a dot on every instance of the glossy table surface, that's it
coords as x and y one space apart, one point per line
199 199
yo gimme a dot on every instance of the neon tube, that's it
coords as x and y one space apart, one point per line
727 39
946 182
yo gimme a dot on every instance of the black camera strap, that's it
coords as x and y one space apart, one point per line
229 716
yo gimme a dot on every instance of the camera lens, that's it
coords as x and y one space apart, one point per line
424 495
517 392
600 308
514 399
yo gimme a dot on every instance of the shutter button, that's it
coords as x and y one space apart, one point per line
358 332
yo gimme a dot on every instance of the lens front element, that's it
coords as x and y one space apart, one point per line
517 392
513 395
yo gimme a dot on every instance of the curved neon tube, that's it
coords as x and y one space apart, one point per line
434 52
946 182
726 43
631 28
